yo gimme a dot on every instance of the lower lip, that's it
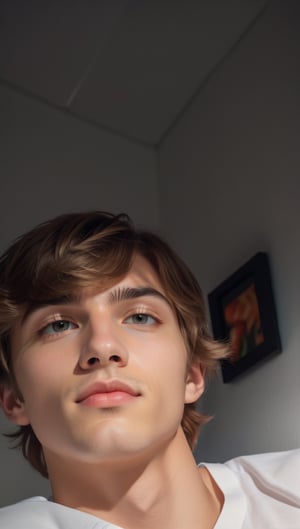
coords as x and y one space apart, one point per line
107 400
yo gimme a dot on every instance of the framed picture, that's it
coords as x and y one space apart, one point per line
243 313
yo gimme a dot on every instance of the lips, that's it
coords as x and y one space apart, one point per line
107 390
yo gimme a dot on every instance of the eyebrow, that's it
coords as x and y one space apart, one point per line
126 293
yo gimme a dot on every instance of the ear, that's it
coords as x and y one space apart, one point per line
13 408
195 383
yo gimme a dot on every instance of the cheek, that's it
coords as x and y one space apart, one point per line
163 362
38 375
42 385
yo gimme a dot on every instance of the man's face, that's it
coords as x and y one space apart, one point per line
103 377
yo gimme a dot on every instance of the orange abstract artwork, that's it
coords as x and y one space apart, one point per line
242 317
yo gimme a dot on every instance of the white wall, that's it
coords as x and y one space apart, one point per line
51 163
229 186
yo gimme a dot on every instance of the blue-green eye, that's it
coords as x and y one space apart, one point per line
58 326
141 319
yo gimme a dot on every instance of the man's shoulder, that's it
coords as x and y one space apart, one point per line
277 464
276 472
39 513
31 511
260 490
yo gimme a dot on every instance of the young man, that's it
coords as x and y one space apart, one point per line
104 350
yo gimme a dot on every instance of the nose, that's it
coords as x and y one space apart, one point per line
102 347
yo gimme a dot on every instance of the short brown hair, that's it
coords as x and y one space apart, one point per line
79 250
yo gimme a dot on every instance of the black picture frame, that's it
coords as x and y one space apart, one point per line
243 313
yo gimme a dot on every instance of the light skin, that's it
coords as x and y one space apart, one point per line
110 371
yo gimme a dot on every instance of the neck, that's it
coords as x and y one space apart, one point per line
167 490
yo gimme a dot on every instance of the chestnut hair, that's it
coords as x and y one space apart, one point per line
95 249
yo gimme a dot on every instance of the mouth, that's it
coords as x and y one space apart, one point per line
107 394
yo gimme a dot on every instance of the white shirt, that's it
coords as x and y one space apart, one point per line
261 492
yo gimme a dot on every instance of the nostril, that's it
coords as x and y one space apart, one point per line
115 358
93 360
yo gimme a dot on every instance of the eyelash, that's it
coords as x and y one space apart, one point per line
143 314
43 331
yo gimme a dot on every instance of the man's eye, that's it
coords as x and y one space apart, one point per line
141 319
58 326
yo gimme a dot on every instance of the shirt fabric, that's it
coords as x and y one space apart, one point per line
260 491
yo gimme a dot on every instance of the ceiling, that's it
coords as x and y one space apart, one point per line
128 66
